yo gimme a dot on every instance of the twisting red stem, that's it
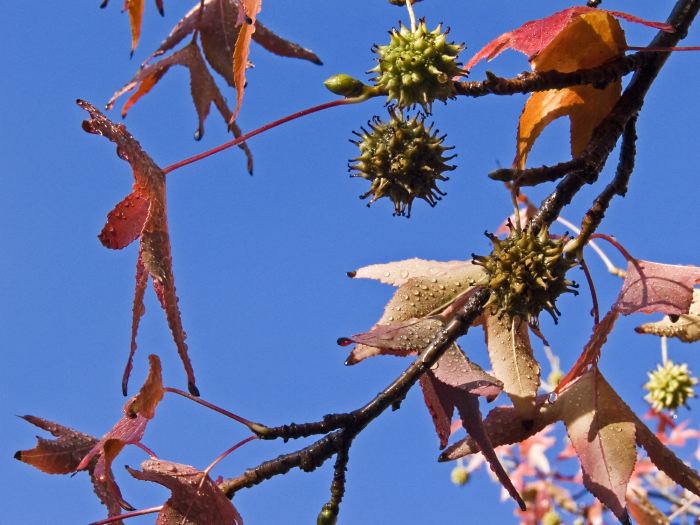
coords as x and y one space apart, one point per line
215 408
616 244
126 515
250 134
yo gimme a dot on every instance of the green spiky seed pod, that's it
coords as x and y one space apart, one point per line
670 386
417 67
403 159
459 475
345 85
527 272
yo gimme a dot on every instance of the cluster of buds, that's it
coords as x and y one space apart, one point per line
527 273
670 386
417 66
403 159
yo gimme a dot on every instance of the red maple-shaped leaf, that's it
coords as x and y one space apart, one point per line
63 455
535 35
652 287
195 499
142 214
129 429
602 430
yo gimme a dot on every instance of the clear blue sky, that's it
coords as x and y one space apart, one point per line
260 261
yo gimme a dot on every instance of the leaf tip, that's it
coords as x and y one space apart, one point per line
351 274
193 389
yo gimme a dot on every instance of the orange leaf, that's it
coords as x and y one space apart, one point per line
135 8
242 50
589 40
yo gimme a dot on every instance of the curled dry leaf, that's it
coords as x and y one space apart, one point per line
242 49
508 344
195 498
652 287
63 455
135 8
685 327
204 90
129 430
142 214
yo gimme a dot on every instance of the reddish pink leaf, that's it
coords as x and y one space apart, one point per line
154 248
63 455
535 35
129 430
195 499
125 222
602 430
653 287
402 338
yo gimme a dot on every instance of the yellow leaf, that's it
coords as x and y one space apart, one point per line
589 40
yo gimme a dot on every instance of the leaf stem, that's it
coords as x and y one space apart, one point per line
262 129
127 515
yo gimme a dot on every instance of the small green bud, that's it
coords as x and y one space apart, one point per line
345 85
459 475
327 516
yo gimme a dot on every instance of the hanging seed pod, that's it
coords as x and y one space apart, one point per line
670 386
403 160
527 272
417 67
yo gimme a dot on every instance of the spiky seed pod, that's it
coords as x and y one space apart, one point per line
417 67
670 386
527 272
551 518
403 159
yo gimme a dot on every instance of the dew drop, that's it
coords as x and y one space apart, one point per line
198 135
552 397
344 341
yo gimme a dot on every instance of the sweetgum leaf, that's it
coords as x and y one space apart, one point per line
195 499
504 426
425 288
154 257
204 90
653 287
536 35
242 49
685 327
63 455
643 511
401 338
218 29
602 430
588 40
128 430
509 348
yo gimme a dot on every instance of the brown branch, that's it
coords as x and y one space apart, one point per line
599 76
314 455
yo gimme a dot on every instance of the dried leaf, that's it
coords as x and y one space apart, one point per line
63 455
588 40
218 31
425 288
195 499
504 426
242 50
154 249
512 361
666 461
653 287
454 371
536 35
685 327
135 8
399 272
602 430
643 511
56 456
